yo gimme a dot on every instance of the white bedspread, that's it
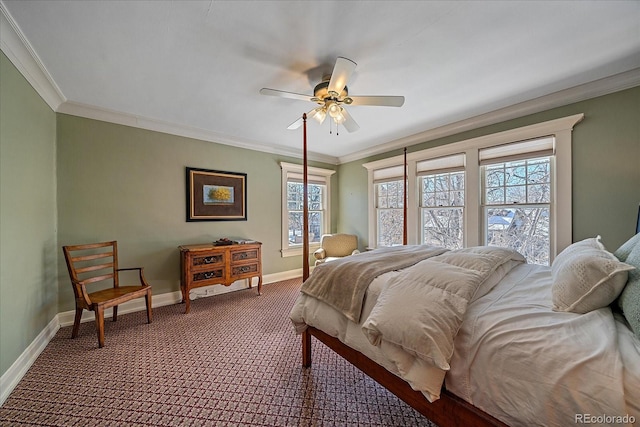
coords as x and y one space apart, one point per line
527 365
514 357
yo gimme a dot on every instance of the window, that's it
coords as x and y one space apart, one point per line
390 212
318 190
516 207
510 189
441 204
388 194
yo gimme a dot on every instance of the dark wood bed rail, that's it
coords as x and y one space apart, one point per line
448 411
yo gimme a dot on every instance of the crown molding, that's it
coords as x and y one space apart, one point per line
111 116
19 51
572 95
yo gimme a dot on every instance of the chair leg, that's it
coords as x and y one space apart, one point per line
76 322
100 325
115 313
149 312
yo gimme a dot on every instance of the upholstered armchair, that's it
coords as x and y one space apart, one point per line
335 246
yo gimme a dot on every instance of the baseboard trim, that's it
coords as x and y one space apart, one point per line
19 368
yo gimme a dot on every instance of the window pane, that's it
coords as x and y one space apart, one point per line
390 227
539 193
295 227
516 194
444 189
495 176
525 229
516 174
315 227
390 214
494 196
295 197
443 227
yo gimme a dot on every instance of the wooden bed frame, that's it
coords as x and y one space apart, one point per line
448 411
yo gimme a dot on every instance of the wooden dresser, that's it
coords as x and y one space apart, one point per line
208 264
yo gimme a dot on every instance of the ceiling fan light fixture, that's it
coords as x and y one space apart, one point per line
334 110
319 115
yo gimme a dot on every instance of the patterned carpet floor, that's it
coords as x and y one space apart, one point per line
234 360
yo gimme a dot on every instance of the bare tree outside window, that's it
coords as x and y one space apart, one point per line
517 198
442 209
295 198
390 212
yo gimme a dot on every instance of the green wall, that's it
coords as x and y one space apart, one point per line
605 168
28 286
127 184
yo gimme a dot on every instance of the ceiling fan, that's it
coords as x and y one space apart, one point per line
331 94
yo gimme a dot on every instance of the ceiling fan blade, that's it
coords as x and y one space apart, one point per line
383 101
349 124
283 94
295 125
341 73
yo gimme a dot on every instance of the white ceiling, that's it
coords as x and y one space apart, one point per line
196 67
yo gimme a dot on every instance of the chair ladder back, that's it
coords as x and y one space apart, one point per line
90 263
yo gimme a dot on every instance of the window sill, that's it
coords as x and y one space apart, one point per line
297 251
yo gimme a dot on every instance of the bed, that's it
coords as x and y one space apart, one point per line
479 337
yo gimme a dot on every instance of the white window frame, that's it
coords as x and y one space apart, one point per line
561 210
376 207
313 174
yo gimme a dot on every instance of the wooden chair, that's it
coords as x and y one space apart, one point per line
98 262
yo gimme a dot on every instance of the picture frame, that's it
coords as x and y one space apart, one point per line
216 195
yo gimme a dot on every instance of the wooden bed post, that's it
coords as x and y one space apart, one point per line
306 349
305 203
404 203
306 336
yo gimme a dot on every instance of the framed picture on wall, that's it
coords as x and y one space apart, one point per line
216 195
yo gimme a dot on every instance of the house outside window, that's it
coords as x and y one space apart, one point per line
318 192
510 189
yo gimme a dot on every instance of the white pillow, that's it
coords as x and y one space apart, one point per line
586 277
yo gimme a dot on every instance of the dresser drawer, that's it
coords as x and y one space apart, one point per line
207 261
213 274
245 255
238 271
